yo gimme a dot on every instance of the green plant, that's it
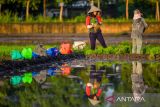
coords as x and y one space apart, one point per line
123 49
109 50
80 18
99 50
154 50
89 52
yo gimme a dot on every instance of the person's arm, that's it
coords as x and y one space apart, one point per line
88 23
145 24
99 19
88 89
99 92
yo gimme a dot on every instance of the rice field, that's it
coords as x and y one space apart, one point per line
122 48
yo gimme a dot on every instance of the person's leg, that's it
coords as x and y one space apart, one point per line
134 67
92 73
139 68
134 46
92 37
101 39
139 45
100 74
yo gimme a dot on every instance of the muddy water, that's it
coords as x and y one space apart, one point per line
48 39
64 85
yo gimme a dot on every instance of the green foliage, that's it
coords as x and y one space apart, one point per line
89 52
64 1
152 50
149 13
151 77
41 19
122 48
109 50
80 18
2 1
6 18
60 94
99 50
9 17
34 4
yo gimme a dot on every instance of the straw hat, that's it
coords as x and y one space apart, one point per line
94 9
94 102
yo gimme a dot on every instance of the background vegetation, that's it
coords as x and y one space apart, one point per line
35 10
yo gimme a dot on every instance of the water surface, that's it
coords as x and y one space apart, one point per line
64 85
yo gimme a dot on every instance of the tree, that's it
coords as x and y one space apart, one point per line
61 4
157 10
61 11
30 4
1 3
127 7
44 8
156 2
98 2
127 10
27 8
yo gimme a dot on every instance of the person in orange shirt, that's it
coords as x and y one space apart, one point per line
93 23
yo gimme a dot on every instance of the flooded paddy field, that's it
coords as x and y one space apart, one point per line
58 38
64 84
113 80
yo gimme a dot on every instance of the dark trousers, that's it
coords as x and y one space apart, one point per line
99 37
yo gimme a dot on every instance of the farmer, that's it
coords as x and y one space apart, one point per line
138 86
93 23
138 27
93 87
93 91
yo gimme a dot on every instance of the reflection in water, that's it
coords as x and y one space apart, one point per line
93 87
138 86
40 76
63 85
